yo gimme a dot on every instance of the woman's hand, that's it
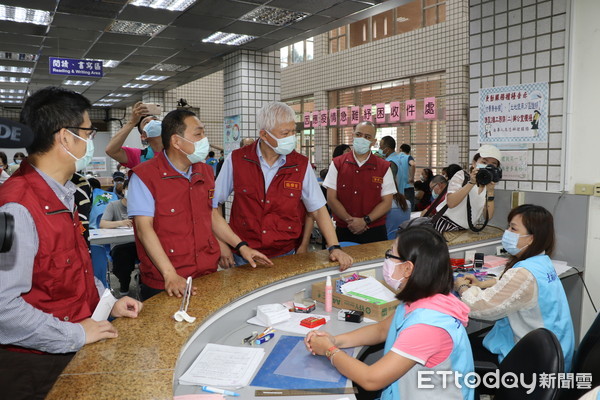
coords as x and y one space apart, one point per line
317 342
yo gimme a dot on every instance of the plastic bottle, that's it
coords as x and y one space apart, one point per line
328 295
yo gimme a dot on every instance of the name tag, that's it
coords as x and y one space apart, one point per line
377 179
211 193
292 185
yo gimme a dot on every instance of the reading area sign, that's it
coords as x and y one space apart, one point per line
71 66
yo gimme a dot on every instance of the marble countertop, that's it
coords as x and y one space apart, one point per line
140 363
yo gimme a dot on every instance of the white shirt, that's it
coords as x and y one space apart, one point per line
458 214
388 186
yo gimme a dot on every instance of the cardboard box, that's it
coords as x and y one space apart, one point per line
372 311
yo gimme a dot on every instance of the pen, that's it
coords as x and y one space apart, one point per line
211 389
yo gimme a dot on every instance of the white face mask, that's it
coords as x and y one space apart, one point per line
86 159
389 267
285 145
200 150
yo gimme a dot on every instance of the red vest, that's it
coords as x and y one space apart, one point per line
63 276
359 188
271 223
182 219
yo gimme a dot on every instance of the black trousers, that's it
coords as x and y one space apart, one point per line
371 235
124 258
29 376
409 193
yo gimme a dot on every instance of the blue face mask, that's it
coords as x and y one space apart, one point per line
380 153
83 162
480 166
510 241
285 145
361 145
434 195
200 150
153 128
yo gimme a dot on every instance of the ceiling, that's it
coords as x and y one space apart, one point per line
79 30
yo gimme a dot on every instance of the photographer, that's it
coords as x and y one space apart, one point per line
471 196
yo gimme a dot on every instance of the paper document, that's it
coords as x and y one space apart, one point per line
369 289
560 267
293 324
104 307
223 366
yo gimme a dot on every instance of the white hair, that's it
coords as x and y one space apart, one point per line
274 113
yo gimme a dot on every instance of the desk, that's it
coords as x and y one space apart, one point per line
142 362
111 236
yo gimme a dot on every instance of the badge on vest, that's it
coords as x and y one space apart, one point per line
377 179
292 185
211 193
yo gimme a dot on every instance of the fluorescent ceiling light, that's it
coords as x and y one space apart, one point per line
170 67
11 101
231 39
78 83
101 105
9 55
171 5
13 79
273 16
154 78
136 85
16 70
110 100
20 91
106 63
10 96
119 94
24 15
135 28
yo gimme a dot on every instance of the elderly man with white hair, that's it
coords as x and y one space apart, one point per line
274 189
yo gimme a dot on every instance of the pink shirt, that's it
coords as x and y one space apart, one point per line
134 156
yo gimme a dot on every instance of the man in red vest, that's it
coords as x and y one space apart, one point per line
47 286
273 191
360 187
170 200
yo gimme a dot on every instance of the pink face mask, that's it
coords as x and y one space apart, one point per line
389 267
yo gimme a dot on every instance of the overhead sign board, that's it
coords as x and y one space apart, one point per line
71 66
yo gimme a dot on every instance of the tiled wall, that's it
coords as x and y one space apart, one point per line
441 47
250 80
522 41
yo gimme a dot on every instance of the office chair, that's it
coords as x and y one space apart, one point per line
537 352
586 360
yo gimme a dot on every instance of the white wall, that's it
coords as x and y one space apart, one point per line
583 131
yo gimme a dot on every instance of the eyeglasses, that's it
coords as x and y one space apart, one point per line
433 187
388 254
92 131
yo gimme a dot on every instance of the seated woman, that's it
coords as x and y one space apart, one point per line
426 333
422 195
399 213
529 295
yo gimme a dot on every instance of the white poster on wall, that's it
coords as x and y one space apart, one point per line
231 133
514 114
98 164
514 165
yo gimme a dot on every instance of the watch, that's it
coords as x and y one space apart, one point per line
490 198
367 219
239 245
334 247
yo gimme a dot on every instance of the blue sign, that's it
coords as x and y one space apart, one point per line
70 66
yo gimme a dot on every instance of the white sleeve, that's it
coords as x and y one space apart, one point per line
330 181
456 183
516 290
388 186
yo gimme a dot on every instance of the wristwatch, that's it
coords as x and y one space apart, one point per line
367 219
334 247
239 245
490 198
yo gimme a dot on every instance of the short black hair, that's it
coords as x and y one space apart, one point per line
339 150
211 154
432 274
3 158
389 142
452 169
49 110
173 124
405 148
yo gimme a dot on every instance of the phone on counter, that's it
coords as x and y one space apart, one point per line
153 109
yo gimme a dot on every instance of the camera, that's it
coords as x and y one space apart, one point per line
490 173
7 226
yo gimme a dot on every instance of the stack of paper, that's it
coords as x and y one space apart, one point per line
272 314
223 366
369 289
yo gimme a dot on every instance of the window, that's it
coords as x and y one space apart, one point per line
409 17
297 52
305 142
427 138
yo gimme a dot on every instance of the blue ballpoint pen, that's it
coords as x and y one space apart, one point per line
211 389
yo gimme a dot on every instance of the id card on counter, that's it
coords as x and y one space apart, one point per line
104 307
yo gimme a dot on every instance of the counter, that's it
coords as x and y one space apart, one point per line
141 362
